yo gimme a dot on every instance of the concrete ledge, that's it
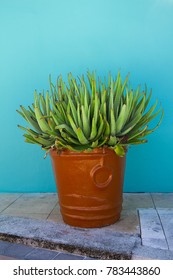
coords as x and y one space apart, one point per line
97 243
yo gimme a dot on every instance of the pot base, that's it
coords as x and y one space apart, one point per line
76 222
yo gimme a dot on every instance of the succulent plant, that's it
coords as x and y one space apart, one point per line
90 113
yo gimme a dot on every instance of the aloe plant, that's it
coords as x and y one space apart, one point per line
89 113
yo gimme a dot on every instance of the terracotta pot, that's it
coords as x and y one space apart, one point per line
89 186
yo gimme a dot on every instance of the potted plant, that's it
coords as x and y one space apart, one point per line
87 126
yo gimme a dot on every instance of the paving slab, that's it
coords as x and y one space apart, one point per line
9 251
8 199
63 256
41 254
149 253
162 200
133 201
30 215
4 246
128 222
100 242
5 258
151 229
32 204
166 217
18 250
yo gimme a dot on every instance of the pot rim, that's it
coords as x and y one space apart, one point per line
100 150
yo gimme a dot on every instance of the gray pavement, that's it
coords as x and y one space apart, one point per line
13 251
31 227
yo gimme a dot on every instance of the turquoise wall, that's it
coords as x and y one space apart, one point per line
38 37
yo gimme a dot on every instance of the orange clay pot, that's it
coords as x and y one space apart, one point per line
89 186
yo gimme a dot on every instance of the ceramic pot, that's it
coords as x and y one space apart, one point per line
89 186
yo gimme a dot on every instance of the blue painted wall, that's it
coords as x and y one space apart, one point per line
38 37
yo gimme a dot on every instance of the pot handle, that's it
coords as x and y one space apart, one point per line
95 175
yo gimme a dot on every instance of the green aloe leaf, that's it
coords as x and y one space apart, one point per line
121 120
41 121
22 114
43 104
73 110
79 116
85 122
81 137
107 129
96 107
130 125
138 133
94 144
30 120
113 123
119 150
112 140
67 129
101 127
137 141
93 129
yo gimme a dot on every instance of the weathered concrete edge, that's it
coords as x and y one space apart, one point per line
120 247
139 252
70 248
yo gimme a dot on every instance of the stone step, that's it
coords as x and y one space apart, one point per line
156 226
94 243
